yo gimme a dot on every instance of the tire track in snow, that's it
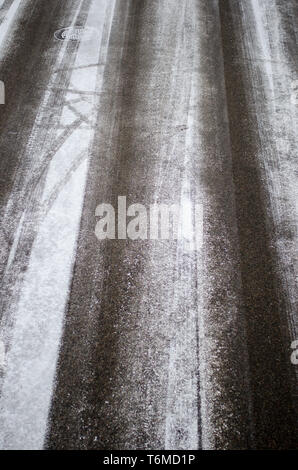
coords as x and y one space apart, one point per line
251 85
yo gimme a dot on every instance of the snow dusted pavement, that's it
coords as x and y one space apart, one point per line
31 326
145 343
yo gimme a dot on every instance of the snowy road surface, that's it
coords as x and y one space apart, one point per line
149 343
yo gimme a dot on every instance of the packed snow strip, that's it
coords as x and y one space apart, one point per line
182 410
5 26
35 158
31 361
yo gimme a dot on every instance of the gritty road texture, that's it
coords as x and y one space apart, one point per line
148 344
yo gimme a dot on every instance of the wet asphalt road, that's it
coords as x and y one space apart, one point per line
148 344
